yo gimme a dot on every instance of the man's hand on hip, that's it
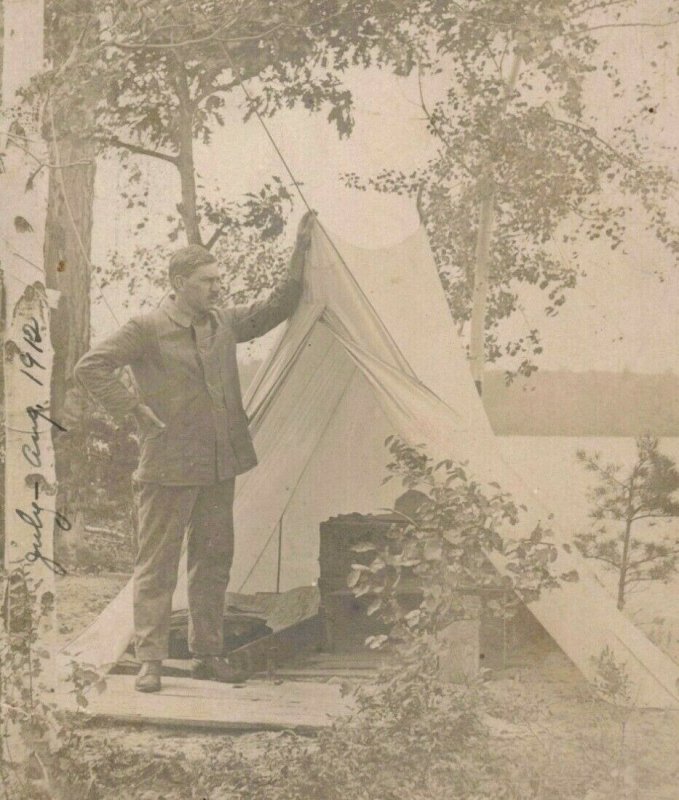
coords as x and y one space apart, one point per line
148 421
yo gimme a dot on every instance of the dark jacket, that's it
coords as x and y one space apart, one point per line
188 375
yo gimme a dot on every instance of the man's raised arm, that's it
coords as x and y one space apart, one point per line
251 321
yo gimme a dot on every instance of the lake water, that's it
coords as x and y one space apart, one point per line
549 467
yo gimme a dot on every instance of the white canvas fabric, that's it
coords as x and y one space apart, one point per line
372 351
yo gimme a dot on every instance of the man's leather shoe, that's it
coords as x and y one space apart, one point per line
148 679
215 668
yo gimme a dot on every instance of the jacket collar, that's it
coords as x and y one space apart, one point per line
169 306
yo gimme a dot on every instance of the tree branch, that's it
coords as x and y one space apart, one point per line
41 164
584 31
419 203
597 6
592 134
602 558
215 236
147 45
425 108
437 131
651 559
604 473
190 42
220 87
142 151
641 578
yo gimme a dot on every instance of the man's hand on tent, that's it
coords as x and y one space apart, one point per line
306 225
304 229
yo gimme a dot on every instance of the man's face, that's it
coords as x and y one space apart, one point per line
200 289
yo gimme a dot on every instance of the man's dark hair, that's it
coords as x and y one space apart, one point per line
188 259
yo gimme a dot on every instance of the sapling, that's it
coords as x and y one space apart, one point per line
622 498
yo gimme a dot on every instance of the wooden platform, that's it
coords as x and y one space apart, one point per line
332 666
303 706
321 667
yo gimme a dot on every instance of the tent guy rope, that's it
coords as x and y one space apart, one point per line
279 152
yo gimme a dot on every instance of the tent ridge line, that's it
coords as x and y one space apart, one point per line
332 320
285 371
413 379
373 311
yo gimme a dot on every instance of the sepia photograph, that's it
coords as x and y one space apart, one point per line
340 399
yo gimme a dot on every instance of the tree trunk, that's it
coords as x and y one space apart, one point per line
187 175
68 237
68 230
187 208
624 559
477 344
27 360
624 563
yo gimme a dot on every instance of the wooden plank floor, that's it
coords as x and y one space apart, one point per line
320 672
304 706
323 666
359 666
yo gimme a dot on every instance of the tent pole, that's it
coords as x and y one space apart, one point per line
280 548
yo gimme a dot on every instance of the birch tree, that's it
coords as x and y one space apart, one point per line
27 582
524 172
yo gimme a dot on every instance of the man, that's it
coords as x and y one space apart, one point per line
194 441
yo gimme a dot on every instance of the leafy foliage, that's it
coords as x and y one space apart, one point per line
250 250
408 734
444 550
514 133
158 75
513 129
612 681
646 491
39 747
99 455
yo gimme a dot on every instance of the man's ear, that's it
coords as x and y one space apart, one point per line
177 283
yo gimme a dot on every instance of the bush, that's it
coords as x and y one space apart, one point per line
413 736
39 745
96 458
445 546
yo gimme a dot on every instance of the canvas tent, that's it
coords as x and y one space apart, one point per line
372 351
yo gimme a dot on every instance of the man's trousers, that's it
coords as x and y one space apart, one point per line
164 515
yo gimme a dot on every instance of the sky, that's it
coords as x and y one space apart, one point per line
619 317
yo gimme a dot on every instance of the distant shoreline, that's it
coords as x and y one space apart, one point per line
565 403
568 403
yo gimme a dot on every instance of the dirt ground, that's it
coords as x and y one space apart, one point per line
582 738
80 598
542 707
